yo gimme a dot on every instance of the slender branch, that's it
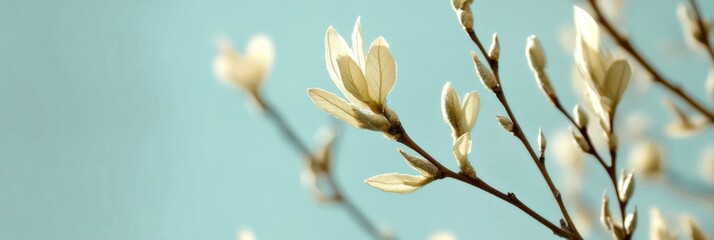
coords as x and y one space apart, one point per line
658 77
705 39
612 173
518 132
301 147
584 132
480 184
358 215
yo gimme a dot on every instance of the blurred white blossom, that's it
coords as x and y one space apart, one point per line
659 229
442 236
646 158
247 72
245 234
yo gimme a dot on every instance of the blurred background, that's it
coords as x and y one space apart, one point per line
113 125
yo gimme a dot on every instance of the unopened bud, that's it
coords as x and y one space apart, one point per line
495 51
580 140
631 222
505 122
541 141
605 216
627 186
466 18
535 54
484 73
581 117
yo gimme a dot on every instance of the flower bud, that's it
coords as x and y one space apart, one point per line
495 51
484 73
605 216
581 117
580 140
627 186
631 222
541 141
535 54
467 19
505 122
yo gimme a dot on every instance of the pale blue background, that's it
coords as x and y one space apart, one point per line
113 126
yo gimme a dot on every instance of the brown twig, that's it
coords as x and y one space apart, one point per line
658 77
511 198
518 132
359 216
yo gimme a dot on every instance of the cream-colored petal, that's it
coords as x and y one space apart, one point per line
587 27
260 50
353 79
469 111
420 164
381 70
616 80
237 71
335 106
451 109
335 45
462 147
358 44
397 183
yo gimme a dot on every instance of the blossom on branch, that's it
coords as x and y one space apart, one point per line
606 77
365 80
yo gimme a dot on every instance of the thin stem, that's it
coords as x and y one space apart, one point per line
658 77
480 184
584 132
518 132
357 215
704 34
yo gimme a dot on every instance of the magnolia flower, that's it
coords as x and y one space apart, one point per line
247 72
461 117
365 80
606 77
404 183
